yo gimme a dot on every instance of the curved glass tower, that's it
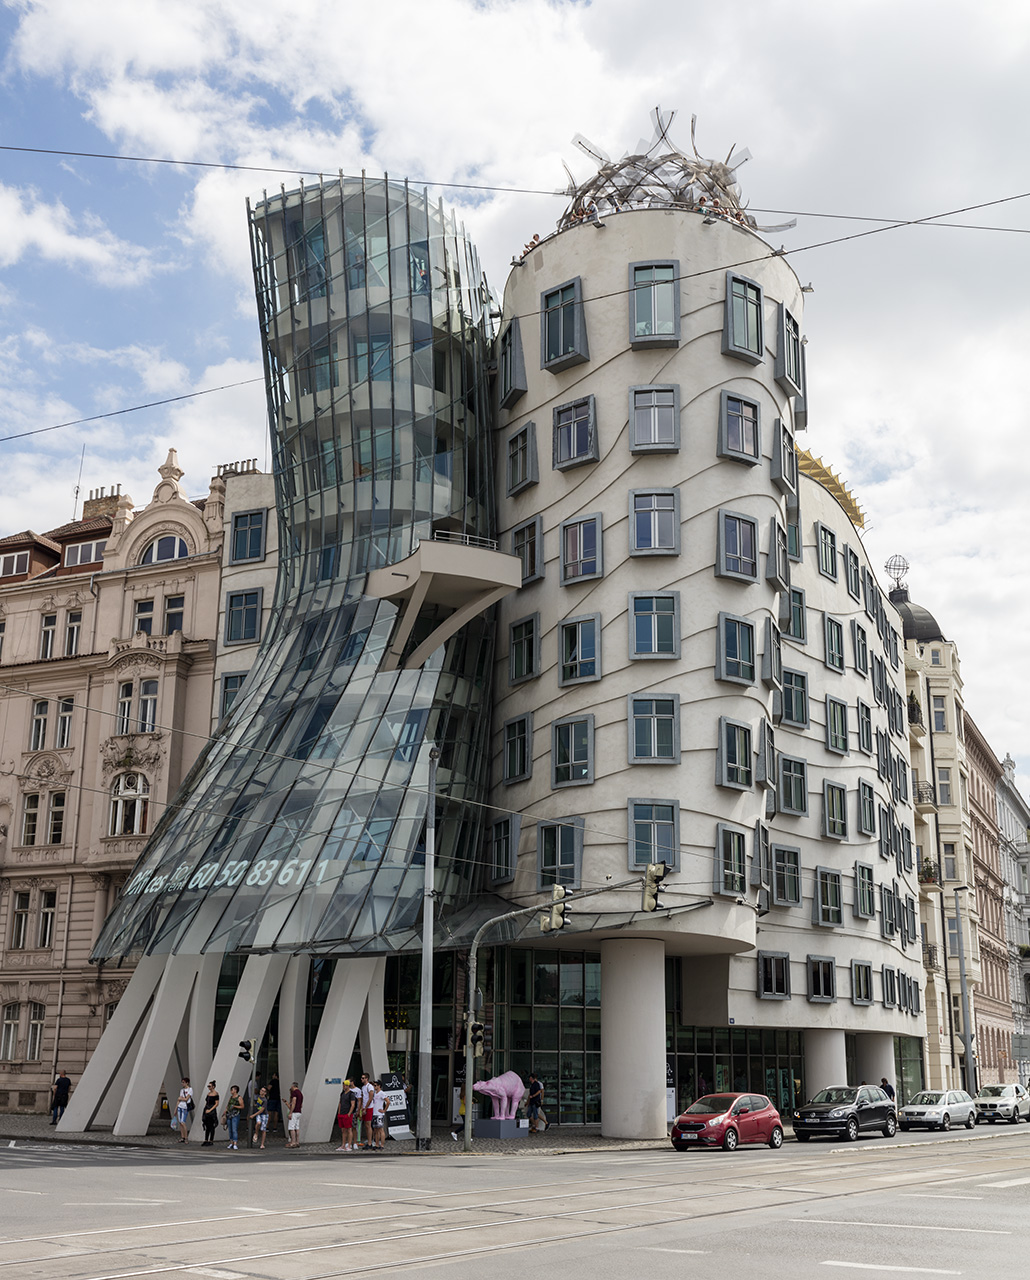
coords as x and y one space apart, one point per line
302 823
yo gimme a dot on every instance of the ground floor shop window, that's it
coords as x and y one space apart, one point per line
735 1059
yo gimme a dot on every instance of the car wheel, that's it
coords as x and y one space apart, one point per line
851 1130
891 1127
946 1122
776 1138
802 1137
1014 1118
970 1120
730 1140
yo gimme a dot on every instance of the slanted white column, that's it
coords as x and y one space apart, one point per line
334 1044
874 1058
176 1067
293 1000
116 1050
633 1069
200 1040
372 1034
825 1060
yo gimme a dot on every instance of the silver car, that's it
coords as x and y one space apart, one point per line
937 1109
1002 1102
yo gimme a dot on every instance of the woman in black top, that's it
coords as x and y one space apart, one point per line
210 1115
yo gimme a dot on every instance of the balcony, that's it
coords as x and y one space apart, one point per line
916 727
931 957
930 877
924 797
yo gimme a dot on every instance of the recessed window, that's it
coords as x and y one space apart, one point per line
935 657
242 616
860 645
852 573
826 545
742 327
654 625
866 809
837 726
562 328
72 631
130 802
827 907
524 649
730 860
940 722
943 786
861 982
794 547
579 649
735 657
559 853
47 916
734 762
527 542
48 631
654 419
822 979
123 717
739 429
522 460
889 979
786 875
788 354
143 617
55 817
777 568
773 975
797 623
886 827
65 708
231 686
575 435
795 699
147 706
3 630
581 548
165 548
654 312
654 522
511 366
654 832
793 785
865 892
517 736
772 655
248 536
784 469
38 730
175 610
504 847
833 634
951 864
737 551
835 811
654 729
572 751
84 553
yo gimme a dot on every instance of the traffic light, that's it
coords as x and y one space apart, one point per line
555 918
248 1050
476 1032
653 877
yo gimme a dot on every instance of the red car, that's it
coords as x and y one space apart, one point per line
726 1120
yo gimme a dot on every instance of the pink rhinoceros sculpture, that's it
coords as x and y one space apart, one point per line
506 1092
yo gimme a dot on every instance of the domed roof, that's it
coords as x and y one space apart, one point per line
918 623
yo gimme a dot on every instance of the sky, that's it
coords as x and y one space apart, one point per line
124 283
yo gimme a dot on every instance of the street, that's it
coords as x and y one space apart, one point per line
944 1205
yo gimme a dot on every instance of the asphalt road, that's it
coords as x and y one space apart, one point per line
943 1205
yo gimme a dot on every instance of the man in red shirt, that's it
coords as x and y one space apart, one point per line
293 1123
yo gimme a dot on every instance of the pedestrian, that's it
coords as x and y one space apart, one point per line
59 1096
534 1104
293 1123
367 1093
260 1116
231 1118
350 1099
275 1103
183 1108
380 1104
209 1115
887 1087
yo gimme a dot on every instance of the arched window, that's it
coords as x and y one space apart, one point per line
129 804
167 547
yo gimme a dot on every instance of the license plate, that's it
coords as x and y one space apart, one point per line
689 1137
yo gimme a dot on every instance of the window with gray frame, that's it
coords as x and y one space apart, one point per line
581 549
865 892
730 859
742 334
232 683
527 542
737 550
654 731
654 419
860 646
772 655
837 726
524 649
797 624
765 764
654 625
735 652
822 979
504 848
517 735
559 853
563 335
793 785
835 811
579 649
852 572
740 434
777 565
773 975
242 616
511 366
866 809
833 635
788 352
784 467
572 751
795 699
654 304
734 757
654 832
795 549
826 546
654 522
827 900
889 979
248 536
786 875
886 826
523 469
574 434
865 727
861 982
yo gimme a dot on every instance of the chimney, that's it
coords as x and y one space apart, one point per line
101 503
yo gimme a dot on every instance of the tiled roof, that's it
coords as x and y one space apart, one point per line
68 532
28 536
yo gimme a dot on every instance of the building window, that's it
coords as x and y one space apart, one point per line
773 975
890 987
37 735
143 617
795 699
72 630
654 626
734 762
786 876
175 607
13 564
654 832
123 718
165 548
861 982
373 360
522 460
9 1032
772 655
248 536
822 979
30 818
737 547
739 429
527 542
852 573
47 915
784 470
147 706
654 311
242 616
130 802
46 636
742 329
3 629
951 864
788 354
65 707
579 641
935 657
55 817
837 726
654 419
654 522
865 892
793 785
735 657
581 549
518 740
943 786
524 649
575 434
835 811
827 908
834 637
20 920
563 330
952 935
654 729
777 562
826 543
504 847
866 809
84 553
939 718
860 644
794 547
797 625
34 1040
730 860
559 852
511 366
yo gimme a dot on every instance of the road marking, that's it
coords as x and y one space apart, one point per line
17 1191
382 1186
924 1195
879 1266
902 1226
216 1274
653 1248
1014 1182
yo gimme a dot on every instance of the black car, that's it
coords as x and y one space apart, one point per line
846 1111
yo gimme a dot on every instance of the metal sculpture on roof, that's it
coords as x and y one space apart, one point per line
659 175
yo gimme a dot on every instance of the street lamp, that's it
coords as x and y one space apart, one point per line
969 1072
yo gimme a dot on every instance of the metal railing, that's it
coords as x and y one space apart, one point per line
924 793
931 957
465 539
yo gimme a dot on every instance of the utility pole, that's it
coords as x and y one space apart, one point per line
424 1121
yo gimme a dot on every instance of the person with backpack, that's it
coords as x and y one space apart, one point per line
350 1100
231 1116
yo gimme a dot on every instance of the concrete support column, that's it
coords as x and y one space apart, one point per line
875 1058
200 1041
825 1060
633 1070
372 1032
293 1003
334 1044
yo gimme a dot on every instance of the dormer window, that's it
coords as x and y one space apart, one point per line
10 565
84 553
167 548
